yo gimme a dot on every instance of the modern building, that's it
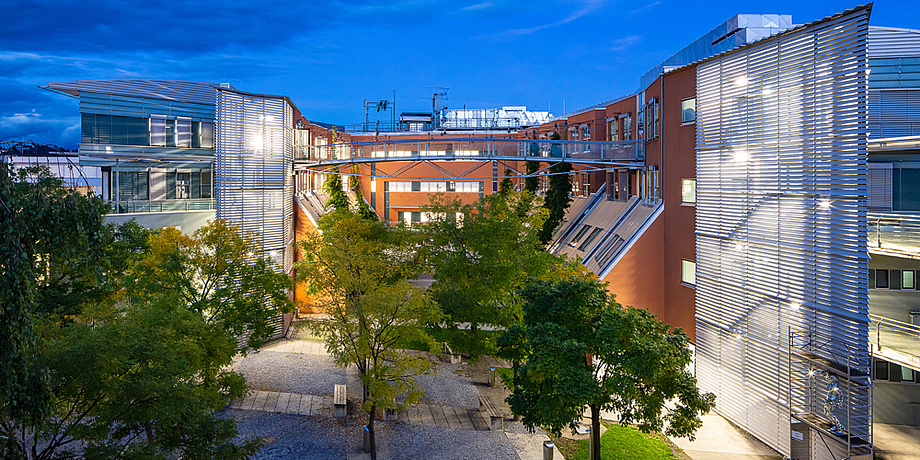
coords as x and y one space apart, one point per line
756 191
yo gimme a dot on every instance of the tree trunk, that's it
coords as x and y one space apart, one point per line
595 432
514 381
370 432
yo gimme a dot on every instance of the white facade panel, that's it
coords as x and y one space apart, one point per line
781 215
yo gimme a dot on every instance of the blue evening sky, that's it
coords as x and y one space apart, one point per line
330 56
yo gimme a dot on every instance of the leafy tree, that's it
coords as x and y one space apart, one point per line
479 263
84 372
506 186
358 269
50 237
531 183
589 350
137 381
557 199
215 273
338 199
363 209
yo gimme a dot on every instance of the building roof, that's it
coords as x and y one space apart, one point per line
171 90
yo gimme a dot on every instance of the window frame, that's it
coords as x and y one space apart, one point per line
687 203
682 120
686 263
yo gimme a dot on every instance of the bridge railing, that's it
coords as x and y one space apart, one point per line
472 148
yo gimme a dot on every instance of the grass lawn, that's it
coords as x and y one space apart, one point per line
623 442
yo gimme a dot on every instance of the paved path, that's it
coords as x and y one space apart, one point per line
455 418
296 346
284 403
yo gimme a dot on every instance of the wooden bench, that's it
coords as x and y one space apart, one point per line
339 402
496 420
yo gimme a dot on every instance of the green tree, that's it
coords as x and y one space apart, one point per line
338 199
557 198
136 381
480 262
216 273
531 182
358 269
362 207
589 350
52 237
89 374
506 186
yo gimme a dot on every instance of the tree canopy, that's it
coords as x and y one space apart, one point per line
480 260
359 269
588 350
216 273
115 339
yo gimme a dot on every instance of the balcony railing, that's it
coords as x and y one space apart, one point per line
467 148
895 340
198 204
897 233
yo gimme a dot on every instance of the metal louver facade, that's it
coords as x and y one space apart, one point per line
253 182
781 218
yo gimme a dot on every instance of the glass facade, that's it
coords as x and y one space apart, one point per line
155 131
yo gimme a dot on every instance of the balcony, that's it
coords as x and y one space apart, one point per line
895 341
125 207
894 234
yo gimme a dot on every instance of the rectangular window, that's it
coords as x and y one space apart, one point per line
207 134
132 185
881 370
613 130
589 239
183 132
688 191
688 110
586 133
881 279
688 272
894 279
157 131
581 232
627 128
206 183
907 279
171 133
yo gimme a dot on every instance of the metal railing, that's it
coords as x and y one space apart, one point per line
197 204
887 334
894 232
471 148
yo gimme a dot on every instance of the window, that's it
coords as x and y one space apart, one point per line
651 119
400 187
881 279
589 239
627 128
586 133
132 185
613 130
688 272
111 129
581 232
688 110
688 191
907 279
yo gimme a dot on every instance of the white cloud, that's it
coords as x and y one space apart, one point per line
478 6
621 44
588 7
646 7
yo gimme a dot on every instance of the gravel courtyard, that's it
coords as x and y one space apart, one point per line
286 372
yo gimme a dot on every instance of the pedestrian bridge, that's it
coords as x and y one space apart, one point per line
433 150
